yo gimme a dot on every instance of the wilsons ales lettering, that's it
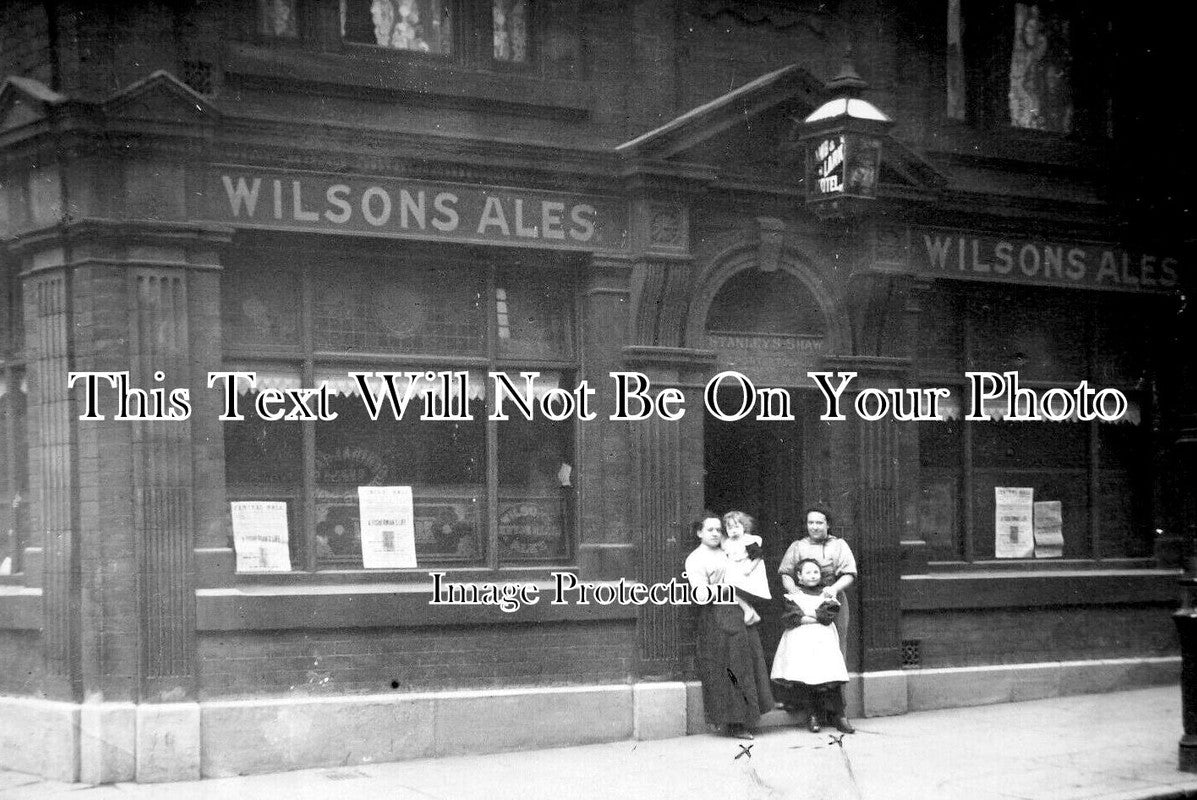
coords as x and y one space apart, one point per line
411 208
728 396
1046 262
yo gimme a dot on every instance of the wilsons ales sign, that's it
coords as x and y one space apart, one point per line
954 254
415 209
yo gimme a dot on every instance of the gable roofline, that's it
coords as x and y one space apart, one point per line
159 80
31 88
702 122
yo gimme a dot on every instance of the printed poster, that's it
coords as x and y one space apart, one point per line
1013 531
388 527
1049 529
260 536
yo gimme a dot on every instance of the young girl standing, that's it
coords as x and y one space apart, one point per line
808 660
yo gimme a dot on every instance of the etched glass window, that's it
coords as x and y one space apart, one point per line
422 26
534 319
510 30
427 311
1041 69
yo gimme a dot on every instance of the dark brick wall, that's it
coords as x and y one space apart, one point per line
719 53
356 661
1014 636
22 667
25 40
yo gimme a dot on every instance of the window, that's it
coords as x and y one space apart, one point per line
14 449
422 26
536 40
278 19
1032 65
486 493
1099 473
497 31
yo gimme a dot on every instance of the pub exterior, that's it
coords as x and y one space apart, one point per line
305 189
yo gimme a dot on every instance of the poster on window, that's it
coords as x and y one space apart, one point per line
1013 513
260 536
388 528
1049 529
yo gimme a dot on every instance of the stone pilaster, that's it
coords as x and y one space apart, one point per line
116 502
877 514
668 490
603 480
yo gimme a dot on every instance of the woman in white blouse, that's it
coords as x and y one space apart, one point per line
731 661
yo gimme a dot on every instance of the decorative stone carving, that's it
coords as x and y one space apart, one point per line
665 226
778 13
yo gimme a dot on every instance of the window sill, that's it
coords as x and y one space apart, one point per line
263 606
447 85
1064 585
966 142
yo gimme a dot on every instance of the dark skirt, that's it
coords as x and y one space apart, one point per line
824 699
731 664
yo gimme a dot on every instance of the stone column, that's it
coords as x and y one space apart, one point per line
877 513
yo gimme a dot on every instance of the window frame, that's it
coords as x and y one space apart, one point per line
968 529
14 518
307 361
986 71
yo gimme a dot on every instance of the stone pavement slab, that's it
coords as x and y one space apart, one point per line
1119 746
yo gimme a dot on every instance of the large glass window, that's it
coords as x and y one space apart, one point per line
1098 473
486 493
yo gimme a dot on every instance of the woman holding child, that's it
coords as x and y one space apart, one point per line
731 662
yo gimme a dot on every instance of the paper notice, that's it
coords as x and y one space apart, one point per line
260 536
1013 512
388 527
1049 529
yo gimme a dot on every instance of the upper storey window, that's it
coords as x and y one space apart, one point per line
510 28
535 39
277 19
422 26
1019 64
1040 70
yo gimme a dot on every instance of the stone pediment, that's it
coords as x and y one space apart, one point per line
25 101
725 124
160 97
749 136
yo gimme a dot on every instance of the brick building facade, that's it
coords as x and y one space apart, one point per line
306 188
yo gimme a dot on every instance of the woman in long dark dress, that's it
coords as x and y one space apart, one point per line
731 662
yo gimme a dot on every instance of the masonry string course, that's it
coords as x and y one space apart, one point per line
446 396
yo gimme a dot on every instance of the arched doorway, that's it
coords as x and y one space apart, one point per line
769 327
